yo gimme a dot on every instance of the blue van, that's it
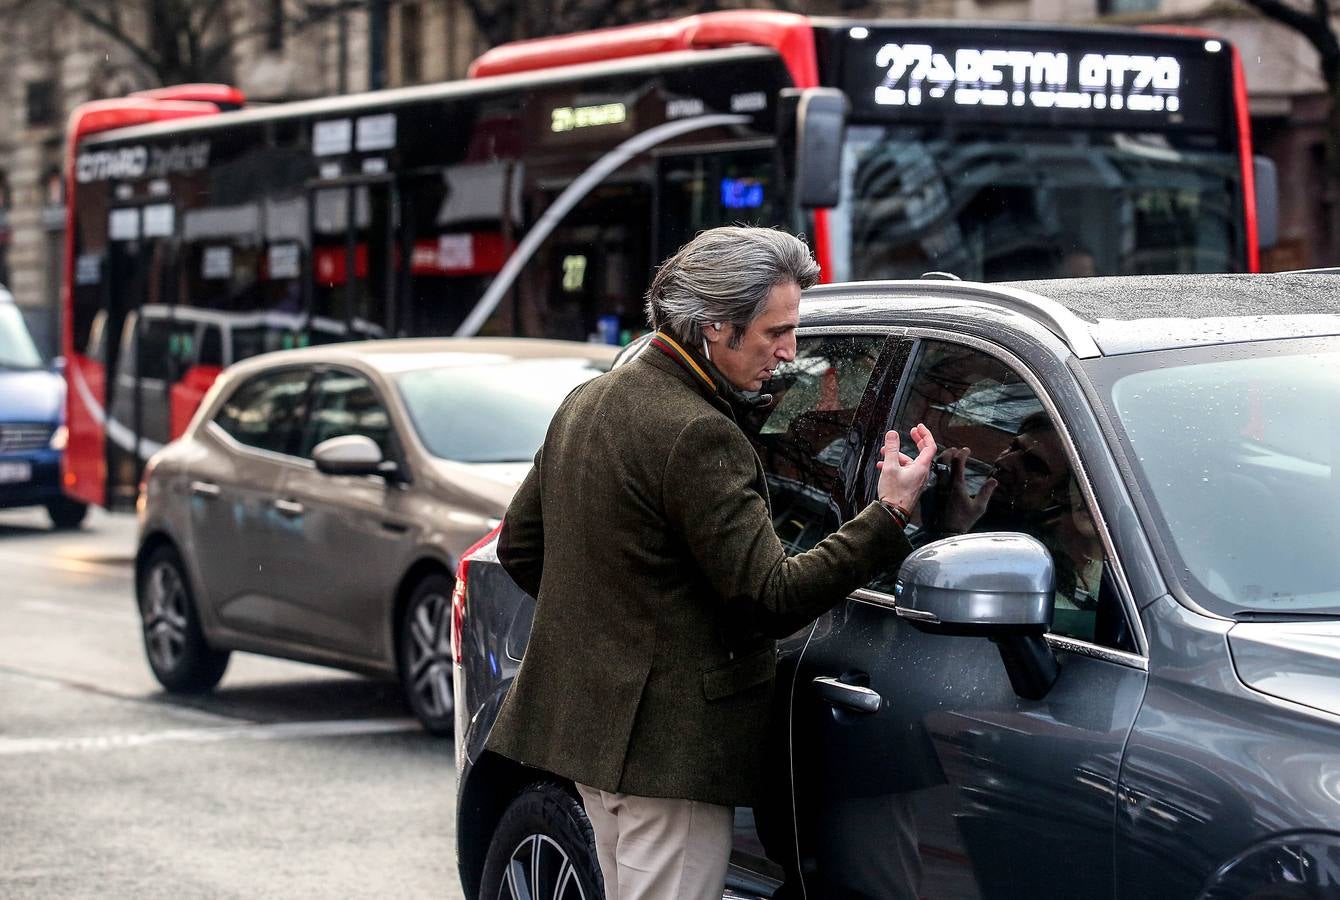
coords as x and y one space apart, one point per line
32 424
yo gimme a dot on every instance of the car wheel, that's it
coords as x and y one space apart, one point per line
425 654
178 654
543 848
67 513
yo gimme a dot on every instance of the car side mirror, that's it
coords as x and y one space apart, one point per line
998 585
350 454
815 119
1267 202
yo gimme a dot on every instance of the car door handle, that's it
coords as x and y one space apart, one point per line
290 508
204 489
848 696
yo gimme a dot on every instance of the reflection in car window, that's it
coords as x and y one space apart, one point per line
267 412
806 434
346 403
1016 476
490 413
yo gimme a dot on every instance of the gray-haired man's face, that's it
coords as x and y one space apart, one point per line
766 343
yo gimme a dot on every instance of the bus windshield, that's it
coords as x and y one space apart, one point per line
1005 204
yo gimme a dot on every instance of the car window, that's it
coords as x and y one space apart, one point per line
1016 476
494 411
267 412
805 436
346 403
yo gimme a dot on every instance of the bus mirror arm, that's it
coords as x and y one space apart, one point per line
1267 202
816 129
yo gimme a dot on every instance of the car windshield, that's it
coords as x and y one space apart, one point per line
490 413
1236 447
17 350
1000 206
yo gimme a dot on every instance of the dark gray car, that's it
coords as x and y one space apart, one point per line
1112 666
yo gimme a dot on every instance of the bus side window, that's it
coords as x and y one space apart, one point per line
704 190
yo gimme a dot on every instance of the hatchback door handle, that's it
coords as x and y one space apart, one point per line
204 489
848 696
291 508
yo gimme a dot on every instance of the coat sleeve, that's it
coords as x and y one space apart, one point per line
711 500
521 541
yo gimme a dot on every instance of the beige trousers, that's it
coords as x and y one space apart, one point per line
651 848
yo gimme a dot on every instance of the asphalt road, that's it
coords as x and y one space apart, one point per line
287 781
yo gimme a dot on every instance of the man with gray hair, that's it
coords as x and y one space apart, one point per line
644 533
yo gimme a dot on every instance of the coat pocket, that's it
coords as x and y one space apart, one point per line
740 674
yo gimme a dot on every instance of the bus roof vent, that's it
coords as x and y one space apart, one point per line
791 35
224 96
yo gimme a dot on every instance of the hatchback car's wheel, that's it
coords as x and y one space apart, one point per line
67 513
425 654
542 849
181 659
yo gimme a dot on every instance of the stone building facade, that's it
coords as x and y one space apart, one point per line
53 60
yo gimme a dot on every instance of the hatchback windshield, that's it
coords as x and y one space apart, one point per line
1237 449
490 413
17 350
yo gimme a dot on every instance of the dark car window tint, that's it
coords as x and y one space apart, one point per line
806 434
267 412
972 401
346 403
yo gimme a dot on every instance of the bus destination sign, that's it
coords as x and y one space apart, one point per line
917 73
1021 77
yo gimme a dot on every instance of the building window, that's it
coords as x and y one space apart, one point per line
411 43
41 102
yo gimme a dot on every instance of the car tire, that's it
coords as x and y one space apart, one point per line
425 654
66 514
180 657
543 848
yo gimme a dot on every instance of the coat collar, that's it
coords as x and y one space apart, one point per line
670 355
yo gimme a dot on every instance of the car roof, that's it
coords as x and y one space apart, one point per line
409 354
1120 314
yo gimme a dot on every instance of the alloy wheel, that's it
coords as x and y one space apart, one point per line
539 869
430 658
164 616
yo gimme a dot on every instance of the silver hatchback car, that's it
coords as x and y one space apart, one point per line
318 503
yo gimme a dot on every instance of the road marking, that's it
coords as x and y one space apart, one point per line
126 617
278 731
69 564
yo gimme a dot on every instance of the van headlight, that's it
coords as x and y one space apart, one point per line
59 438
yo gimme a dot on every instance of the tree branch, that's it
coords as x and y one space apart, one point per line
1317 30
113 31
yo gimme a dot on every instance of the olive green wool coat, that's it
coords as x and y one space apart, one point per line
645 534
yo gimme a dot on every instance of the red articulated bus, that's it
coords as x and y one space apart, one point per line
536 196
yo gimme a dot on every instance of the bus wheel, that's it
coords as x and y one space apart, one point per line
180 658
67 513
425 654
543 847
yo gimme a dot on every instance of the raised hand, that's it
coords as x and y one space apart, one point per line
902 477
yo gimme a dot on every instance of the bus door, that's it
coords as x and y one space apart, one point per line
127 285
588 278
354 260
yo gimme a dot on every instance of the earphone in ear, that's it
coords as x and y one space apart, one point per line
716 326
